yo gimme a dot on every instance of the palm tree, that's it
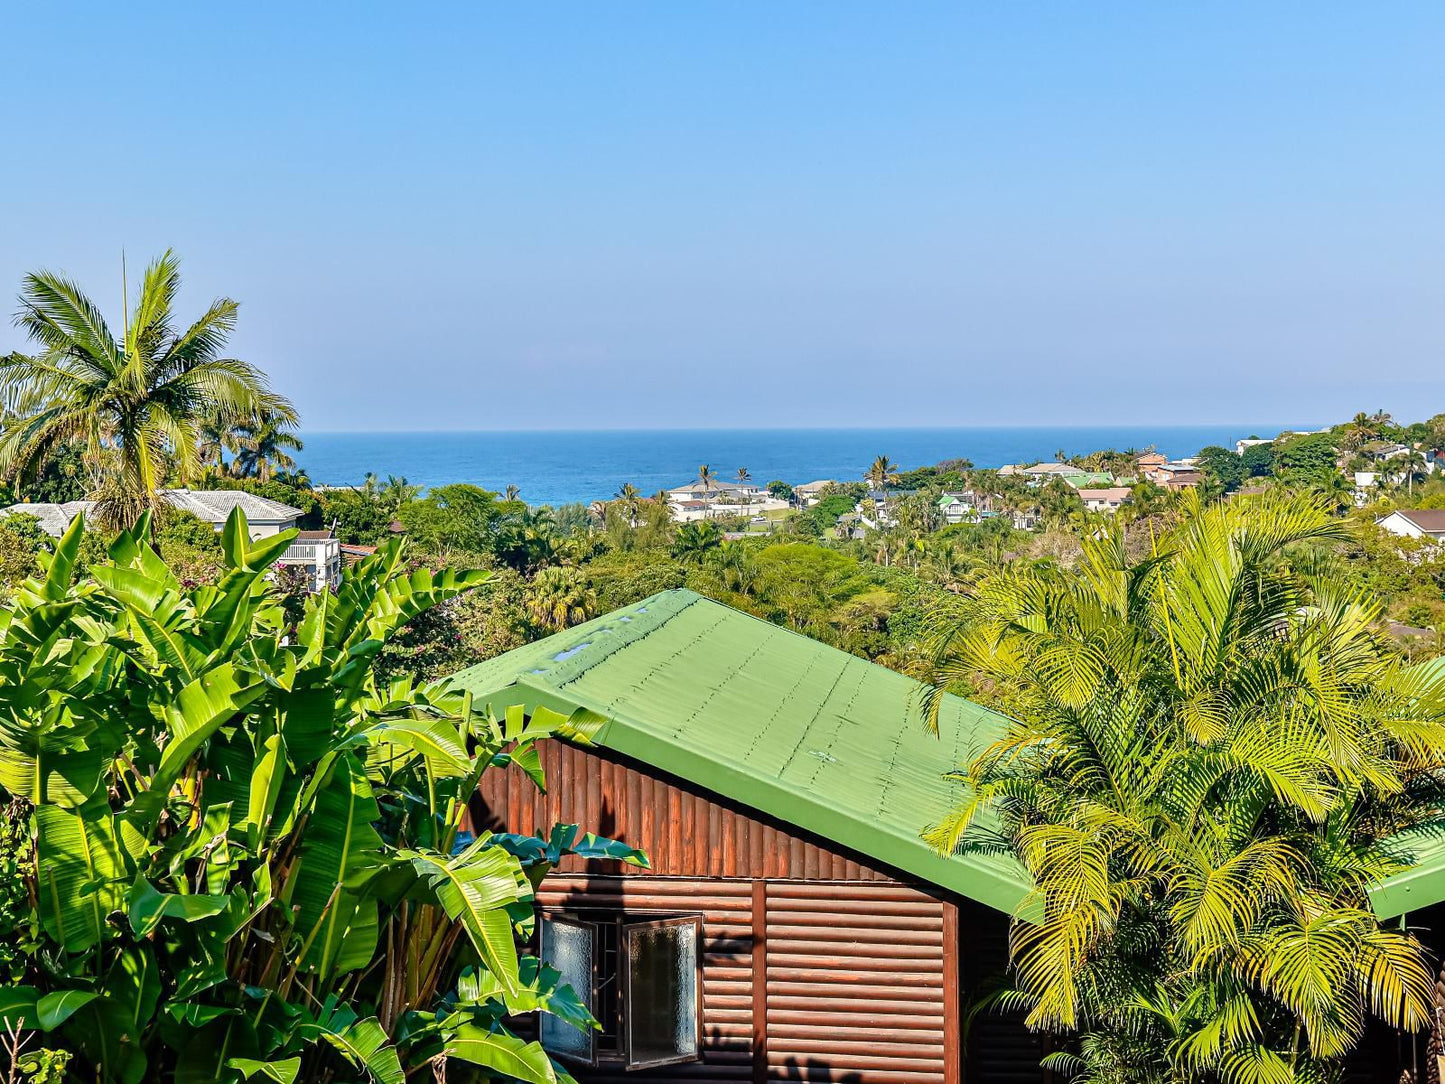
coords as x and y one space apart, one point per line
1362 429
512 493
558 598
631 498
143 398
397 492
882 471
744 478
214 438
1211 760
262 445
696 540
1412 463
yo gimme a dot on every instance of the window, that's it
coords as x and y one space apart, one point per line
638 975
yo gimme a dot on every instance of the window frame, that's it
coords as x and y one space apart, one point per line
626 929
622 922
567 919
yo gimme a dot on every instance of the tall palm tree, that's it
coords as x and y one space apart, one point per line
744 478
880 472
263 445
143 398
214 438
397 492
1211 759
706 478
630 497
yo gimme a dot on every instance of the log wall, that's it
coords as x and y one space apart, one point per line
818 964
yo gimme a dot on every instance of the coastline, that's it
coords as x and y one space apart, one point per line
564 466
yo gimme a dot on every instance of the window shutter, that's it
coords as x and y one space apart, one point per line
661 987
571 947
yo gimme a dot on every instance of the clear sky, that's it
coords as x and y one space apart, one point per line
487 215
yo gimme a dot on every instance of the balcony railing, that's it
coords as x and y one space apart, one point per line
310 553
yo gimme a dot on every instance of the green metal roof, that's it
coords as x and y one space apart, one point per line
1424 883
771 719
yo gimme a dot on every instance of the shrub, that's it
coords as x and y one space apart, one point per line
243 842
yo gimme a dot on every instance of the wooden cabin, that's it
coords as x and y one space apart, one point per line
793 925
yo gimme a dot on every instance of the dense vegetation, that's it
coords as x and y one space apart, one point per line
1215 753
231 852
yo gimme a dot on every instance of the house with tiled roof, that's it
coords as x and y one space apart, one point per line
319 552
1415 523
1108 499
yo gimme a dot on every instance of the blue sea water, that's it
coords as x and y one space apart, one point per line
558 467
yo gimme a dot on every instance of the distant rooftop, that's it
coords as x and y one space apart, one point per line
211 505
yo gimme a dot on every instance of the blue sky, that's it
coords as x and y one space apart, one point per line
465 216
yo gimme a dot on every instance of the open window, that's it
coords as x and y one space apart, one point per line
638 975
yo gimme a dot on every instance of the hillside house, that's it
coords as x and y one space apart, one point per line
695 501
955 508
810 493
1109 499
1415 523
793 925
264 518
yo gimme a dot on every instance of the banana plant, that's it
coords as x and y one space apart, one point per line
252 858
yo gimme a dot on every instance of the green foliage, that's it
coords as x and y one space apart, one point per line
455 517
1213 757
248 860
1223 467
148 393
694 541
780 489
19 929
825 513
21 543
360 520
1259 460
1307 457
61 478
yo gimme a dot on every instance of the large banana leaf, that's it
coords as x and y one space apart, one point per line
339 852
364 1044
475 887
84 873
502 1053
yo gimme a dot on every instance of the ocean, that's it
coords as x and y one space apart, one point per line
556 467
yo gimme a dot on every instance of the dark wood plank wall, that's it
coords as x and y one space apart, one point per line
685 832
841 981
855 983
817 966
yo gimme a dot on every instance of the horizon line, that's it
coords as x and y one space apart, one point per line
803 428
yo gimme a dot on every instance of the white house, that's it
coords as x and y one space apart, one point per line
961 507
319 553
1109 499
264 518
1415 523
695 501
810 493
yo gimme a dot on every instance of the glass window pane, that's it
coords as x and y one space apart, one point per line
662 994
569 946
